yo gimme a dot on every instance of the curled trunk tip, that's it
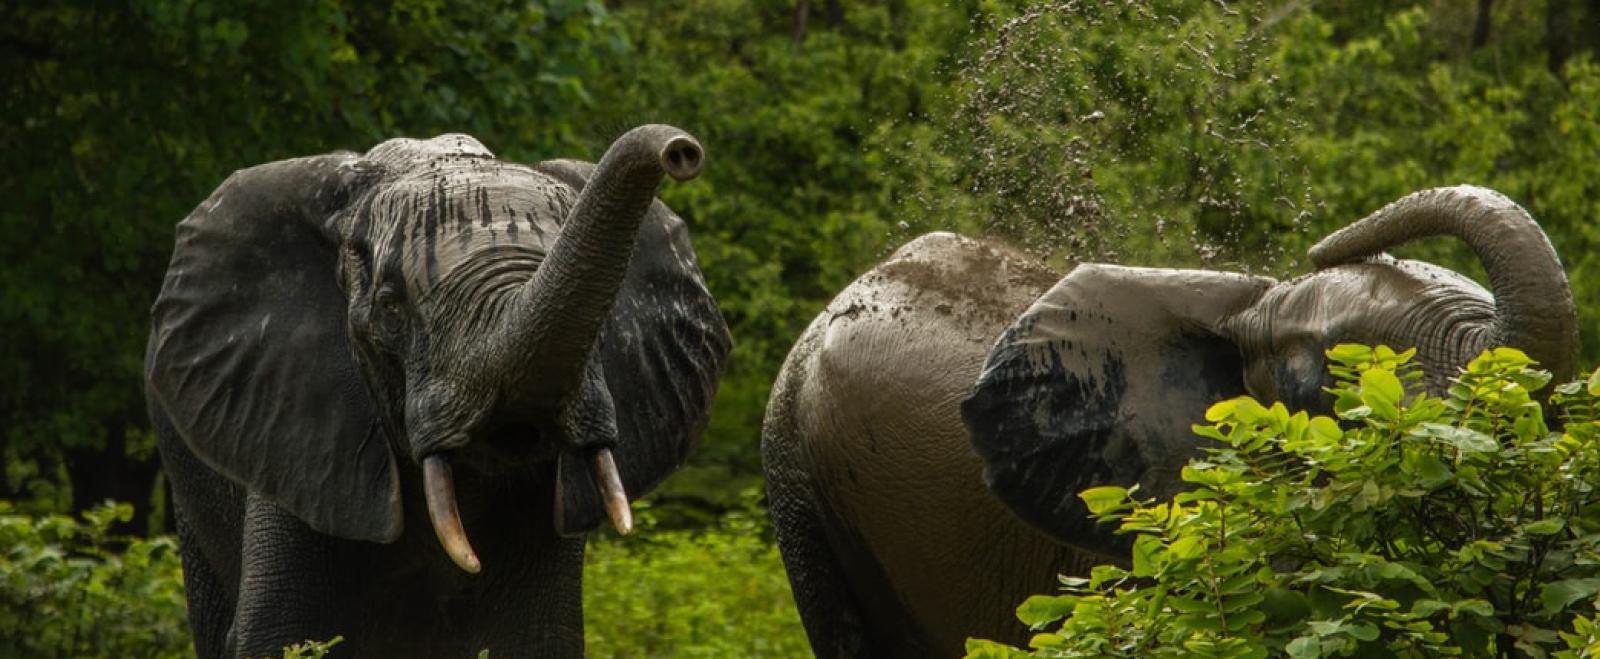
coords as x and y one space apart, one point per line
1533 301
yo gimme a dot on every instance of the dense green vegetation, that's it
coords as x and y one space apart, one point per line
74 588
719 591
1429 527
1224 134
71 587
1192 133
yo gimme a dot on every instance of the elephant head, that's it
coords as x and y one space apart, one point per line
332 322
1100 380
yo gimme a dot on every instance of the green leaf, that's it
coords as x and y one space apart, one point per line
1594 383
1104 499
1510 357
1547 526
1187 547
978 648
1307 647
1249 410
1475 607
1557 595
1423 608
1381 391
1041 609
1350 354
1042 641
1465 439
1189 605
1325 430
1428 471
1285 607
1221 410
1368 496
1364 631
1145 552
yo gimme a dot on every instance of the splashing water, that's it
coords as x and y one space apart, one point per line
1109 130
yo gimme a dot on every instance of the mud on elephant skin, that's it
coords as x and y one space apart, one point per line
1100 380
893 547
900 539
392 389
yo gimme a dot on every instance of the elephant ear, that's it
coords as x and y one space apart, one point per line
661 353
1098 383
248 354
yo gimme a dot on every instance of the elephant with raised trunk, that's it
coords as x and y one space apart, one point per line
392 390
915 509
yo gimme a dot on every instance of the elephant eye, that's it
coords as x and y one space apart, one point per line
391 314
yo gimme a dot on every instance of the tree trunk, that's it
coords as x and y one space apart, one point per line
1480 31
802 11
1557 34
835 14
1591 28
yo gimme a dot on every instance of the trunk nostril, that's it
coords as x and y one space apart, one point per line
681 157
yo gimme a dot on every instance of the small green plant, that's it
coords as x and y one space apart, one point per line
310 649
70 588
714 592
1408 526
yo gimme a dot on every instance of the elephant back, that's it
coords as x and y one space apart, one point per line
866 419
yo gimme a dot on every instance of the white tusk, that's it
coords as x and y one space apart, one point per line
610 482
440 489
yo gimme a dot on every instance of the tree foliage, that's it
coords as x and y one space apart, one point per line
1407 526
795 103
1222 134
1192 133
72 588
1197 133
121 117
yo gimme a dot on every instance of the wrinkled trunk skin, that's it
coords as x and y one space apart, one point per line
560 312
551 326
1533 302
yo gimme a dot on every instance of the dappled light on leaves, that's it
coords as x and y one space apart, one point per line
1461 525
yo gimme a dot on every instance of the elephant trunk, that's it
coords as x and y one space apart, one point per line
559 313
553 322
1533 303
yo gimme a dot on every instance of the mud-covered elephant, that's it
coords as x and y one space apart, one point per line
915 508
359 361
892 545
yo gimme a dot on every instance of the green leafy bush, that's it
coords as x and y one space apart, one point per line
717 592
69 588
1454 526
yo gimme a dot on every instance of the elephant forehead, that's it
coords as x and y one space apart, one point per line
430 223
1344 291
403 152
1368 301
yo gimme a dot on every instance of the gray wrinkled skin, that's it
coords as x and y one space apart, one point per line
1100 380
329 322
915 509
893 546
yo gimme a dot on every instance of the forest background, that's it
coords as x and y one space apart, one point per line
1185 133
